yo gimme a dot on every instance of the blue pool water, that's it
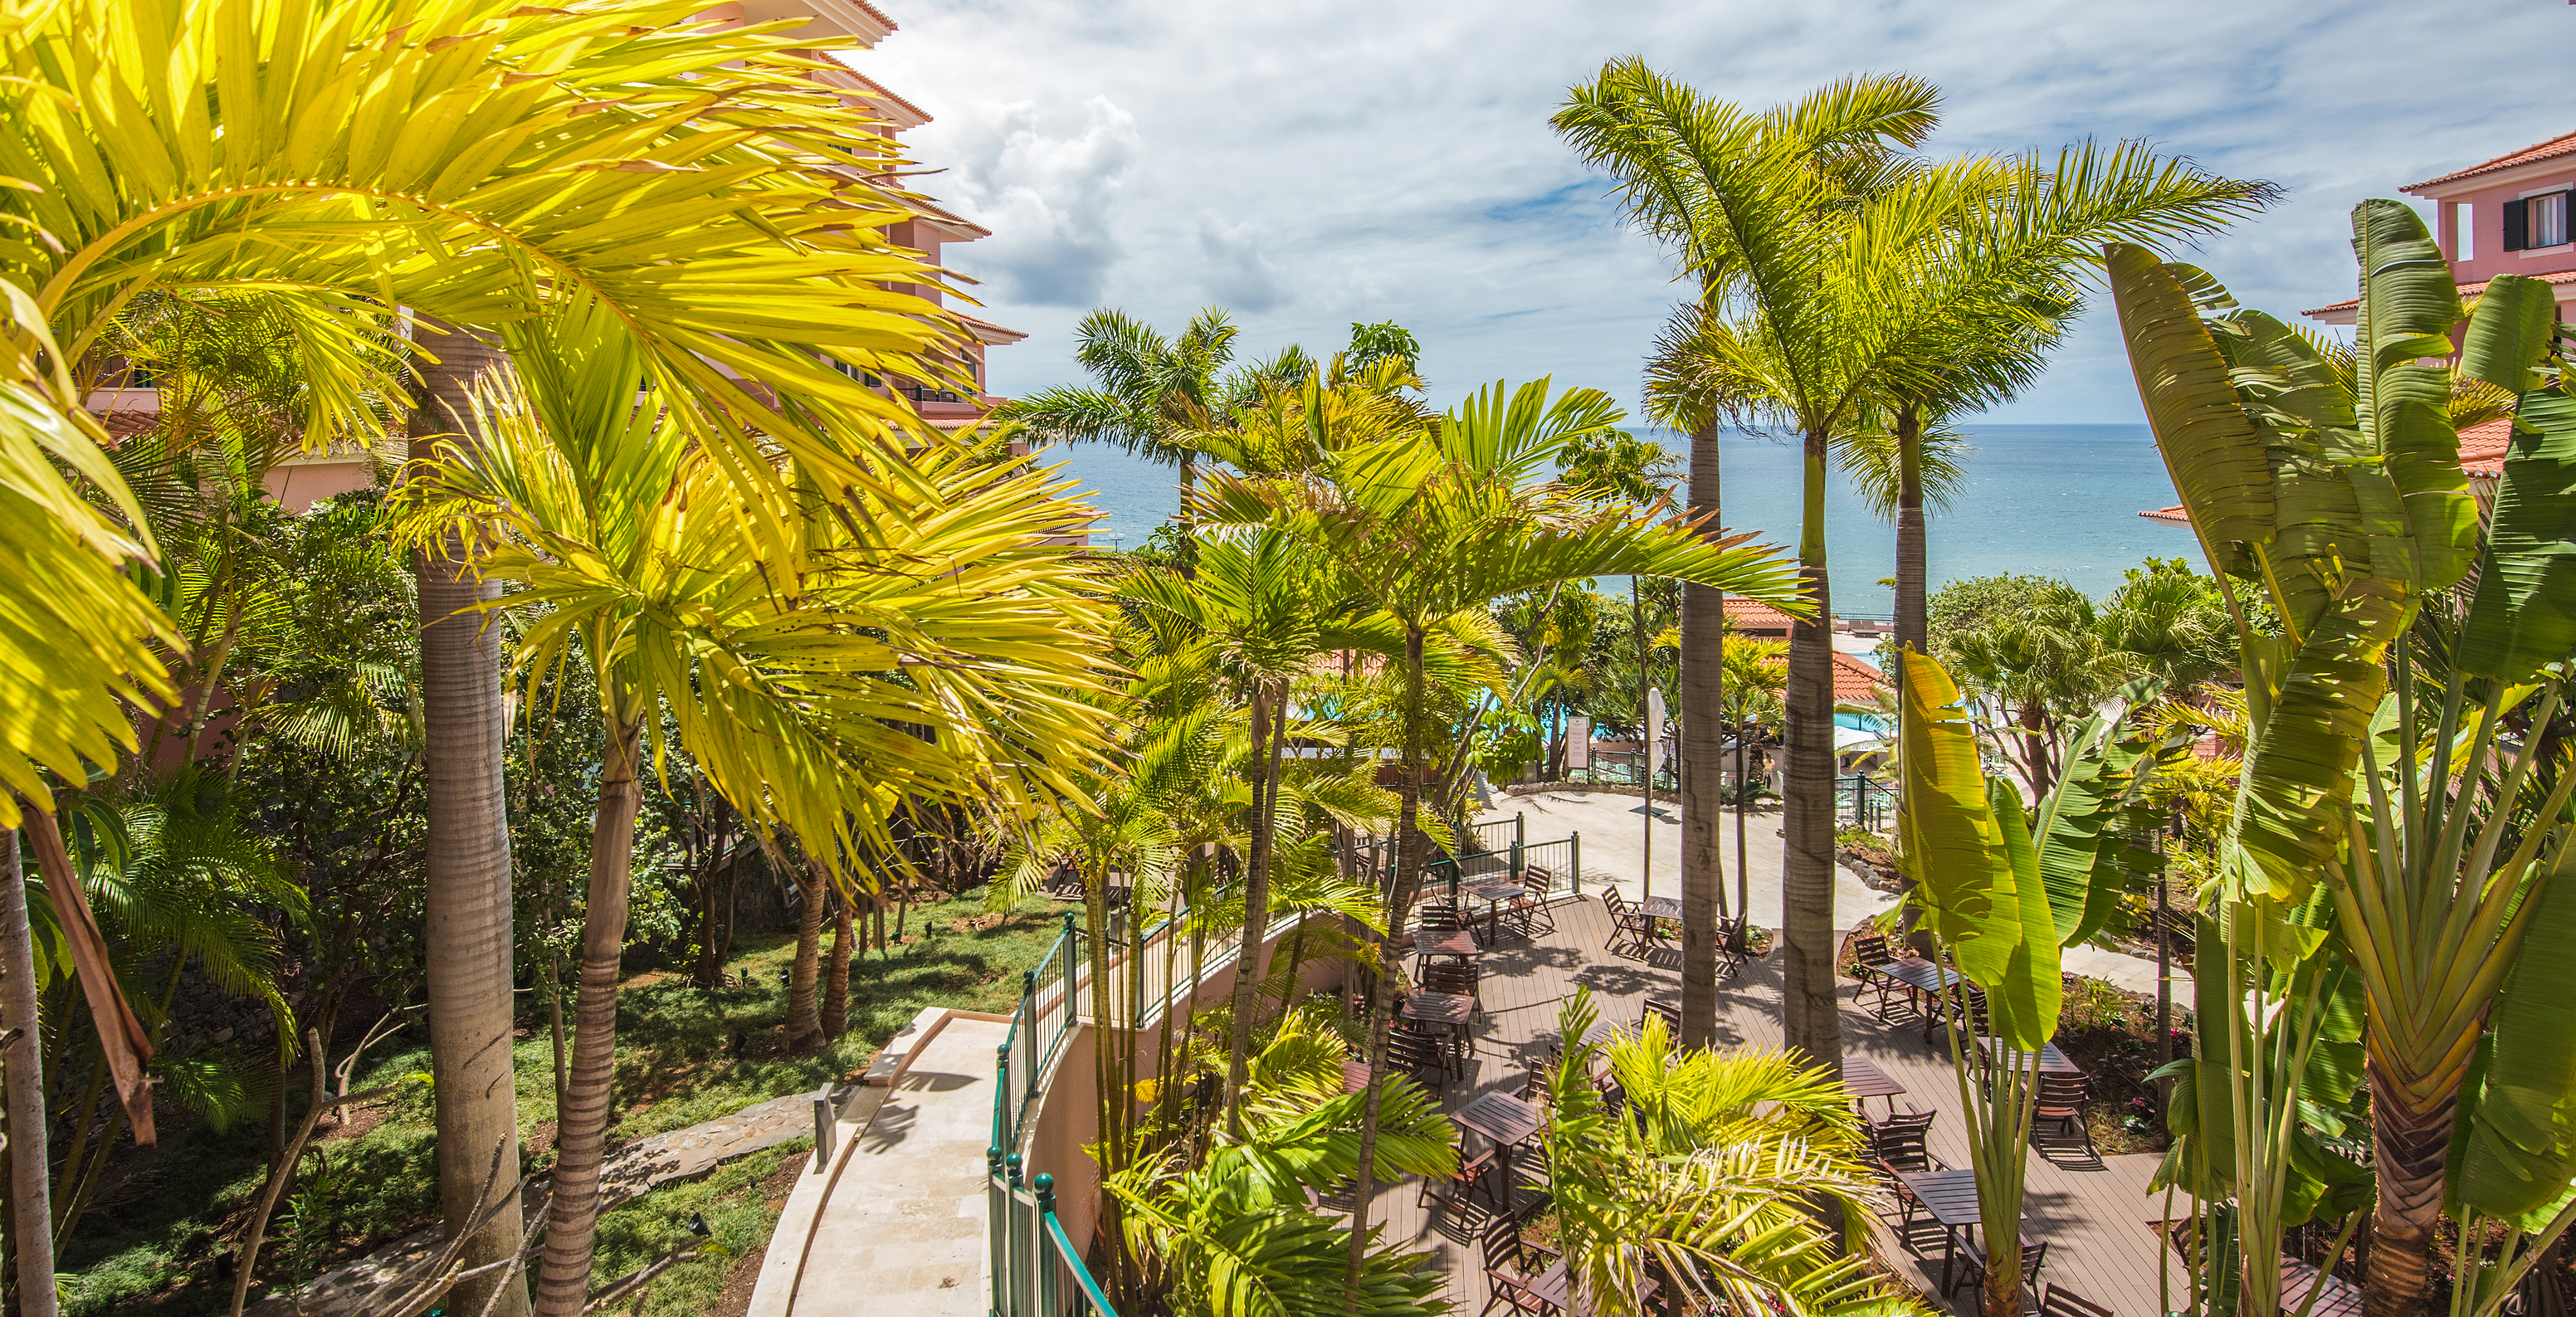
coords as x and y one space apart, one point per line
2052 500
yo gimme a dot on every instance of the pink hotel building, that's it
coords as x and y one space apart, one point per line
2509 215
831 27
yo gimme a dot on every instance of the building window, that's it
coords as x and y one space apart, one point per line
2534 222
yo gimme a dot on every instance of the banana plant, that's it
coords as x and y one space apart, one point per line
2403 806
2002 892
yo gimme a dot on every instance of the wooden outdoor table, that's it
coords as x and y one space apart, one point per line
1506 1121
2341 1299
2051 1060
1493 892
1865 1081
1456 942
1662 907
1355 1075
1447 1008
1951 1198
1550 1287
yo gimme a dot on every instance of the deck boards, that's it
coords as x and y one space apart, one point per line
2092 1215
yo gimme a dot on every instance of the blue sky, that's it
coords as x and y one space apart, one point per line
1314 164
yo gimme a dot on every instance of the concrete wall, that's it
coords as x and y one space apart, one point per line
1068 1117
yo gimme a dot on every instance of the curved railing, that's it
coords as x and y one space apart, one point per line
1037 1271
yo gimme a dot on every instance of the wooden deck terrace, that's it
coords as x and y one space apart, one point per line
2093 1214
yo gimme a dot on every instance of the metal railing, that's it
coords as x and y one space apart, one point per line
1497 834
1863 802
1562 860
1625 768
1037 1271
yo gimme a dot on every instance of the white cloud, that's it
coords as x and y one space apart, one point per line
1050 198
1316 164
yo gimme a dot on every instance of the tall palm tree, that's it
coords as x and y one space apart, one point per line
785 674
1835 267
1904 462
1153 391
1443 522
692 177
1263 600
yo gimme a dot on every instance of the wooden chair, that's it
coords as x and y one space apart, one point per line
1459 1191
2059 1301
1972 1267
1440 915
1529 909
1511 1268
1630 929
1899 1145
1869 950
1671 1016
1419 1055
1734 947
2061 1101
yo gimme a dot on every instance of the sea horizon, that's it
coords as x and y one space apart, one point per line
2045 500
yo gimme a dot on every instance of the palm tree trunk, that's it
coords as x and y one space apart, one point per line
804 1024
836 977
2034 741
30 1215
581 1128
1256 892
468 943
2410 1143
1703 747
1913 620
1408 879
1809 1023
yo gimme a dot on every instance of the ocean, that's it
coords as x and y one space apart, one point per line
2048 500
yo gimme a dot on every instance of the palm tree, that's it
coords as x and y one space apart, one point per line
1263 600
1440 523
1903 462
1153 391
1708 1174
1835 269
692 177
636 559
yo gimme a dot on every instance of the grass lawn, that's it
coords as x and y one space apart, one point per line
684 1056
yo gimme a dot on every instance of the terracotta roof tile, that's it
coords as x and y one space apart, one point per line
1755 615
1855 681
2471 289
2561 145
2482 451
2482 447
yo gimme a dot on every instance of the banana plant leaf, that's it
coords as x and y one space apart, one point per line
2023 1006
2299 779
1952 846
2519 1153
2210 447
2524 614
2084 828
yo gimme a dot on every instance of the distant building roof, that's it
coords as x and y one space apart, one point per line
2562 145
1754 617
985 331
2482 451
1855 681
2483 445
2350 305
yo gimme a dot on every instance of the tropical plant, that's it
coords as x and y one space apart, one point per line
470 161
791 678
1433 525
1231 1234
1708 1174
1153 392
2000 893
2406 787
1837 270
